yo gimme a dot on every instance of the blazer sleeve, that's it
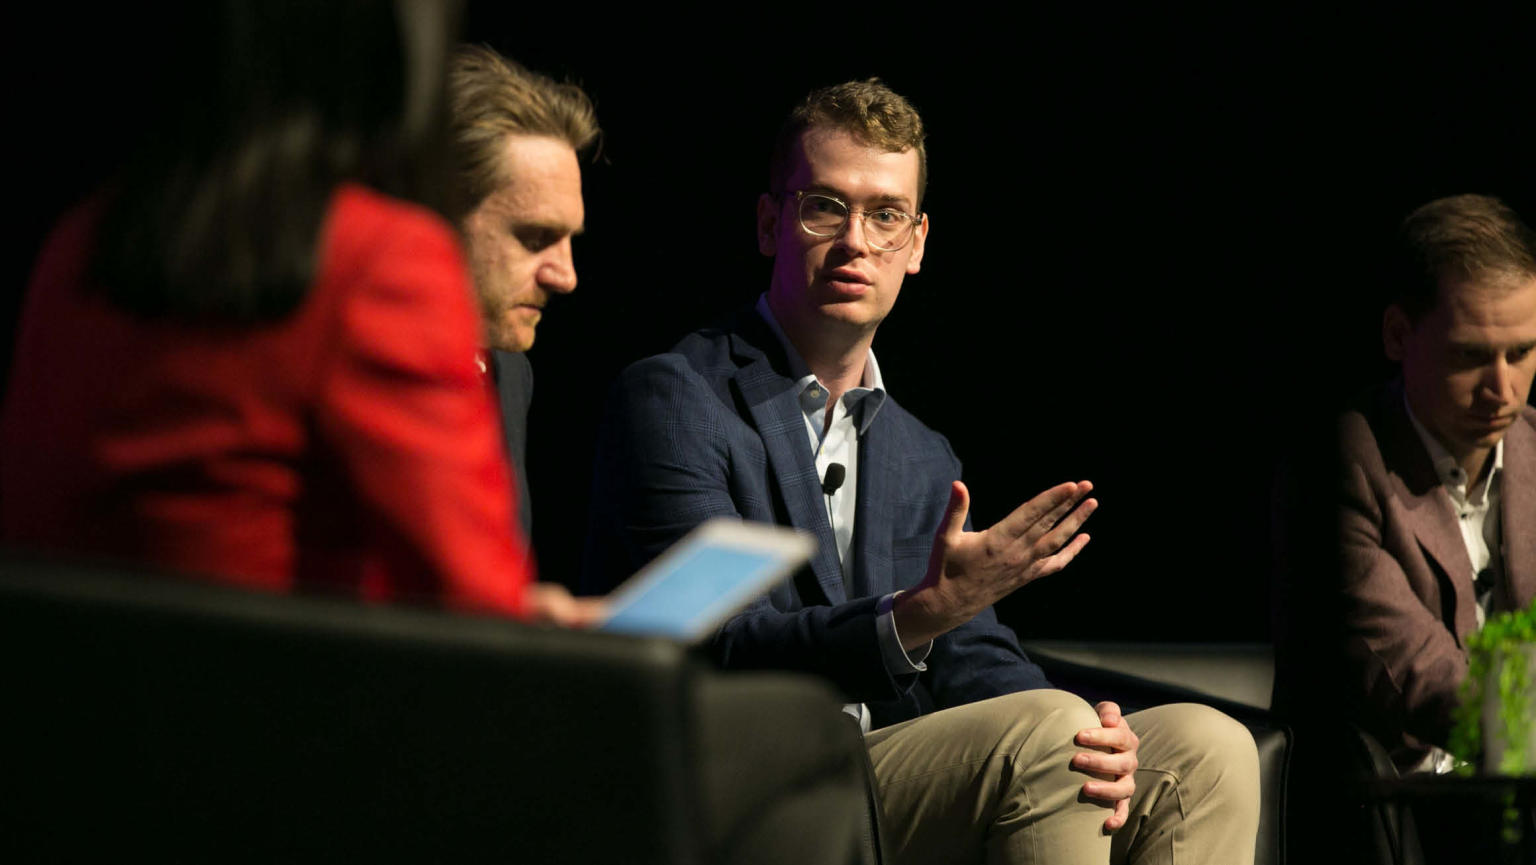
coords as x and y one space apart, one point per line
673 454
981 658
1406 666
405 409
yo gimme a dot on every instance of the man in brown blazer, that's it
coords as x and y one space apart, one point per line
1438 518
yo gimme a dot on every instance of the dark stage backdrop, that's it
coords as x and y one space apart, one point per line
1152 261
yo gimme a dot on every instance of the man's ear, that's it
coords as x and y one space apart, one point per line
1395 328
919 245
768 225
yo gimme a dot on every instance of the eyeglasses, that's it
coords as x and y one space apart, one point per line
886 229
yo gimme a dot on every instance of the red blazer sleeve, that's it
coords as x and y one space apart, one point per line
404 407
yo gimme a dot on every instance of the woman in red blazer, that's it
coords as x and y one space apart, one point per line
253 358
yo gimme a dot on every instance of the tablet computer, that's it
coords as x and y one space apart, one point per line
714 571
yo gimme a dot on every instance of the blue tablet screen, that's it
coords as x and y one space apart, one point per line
698 588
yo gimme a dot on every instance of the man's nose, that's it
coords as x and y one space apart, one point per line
558 272
1498 379
853 238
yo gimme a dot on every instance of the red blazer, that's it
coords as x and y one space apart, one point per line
351 447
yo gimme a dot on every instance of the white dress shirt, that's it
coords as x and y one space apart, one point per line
836 440
1477 515
1477 508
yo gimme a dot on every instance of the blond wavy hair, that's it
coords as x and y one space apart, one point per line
491 97
871 112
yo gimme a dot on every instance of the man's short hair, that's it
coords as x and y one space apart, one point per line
491 97
871 112
1455 238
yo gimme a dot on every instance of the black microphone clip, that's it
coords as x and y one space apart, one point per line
833 481
1482 583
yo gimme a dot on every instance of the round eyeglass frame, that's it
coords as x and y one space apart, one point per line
912 222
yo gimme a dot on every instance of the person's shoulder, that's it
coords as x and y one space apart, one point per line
671 377
663 395
739 337
365 224
1362 424
705 345
1528 416
715 353
924 438
899 415
392 281
695 375
1522 433
367 207
664 365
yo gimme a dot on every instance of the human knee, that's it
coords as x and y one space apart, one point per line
1208 738
1055 716
1223 736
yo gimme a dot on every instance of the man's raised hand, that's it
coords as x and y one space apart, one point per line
969 571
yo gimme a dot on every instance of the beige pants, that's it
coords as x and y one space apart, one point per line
991 782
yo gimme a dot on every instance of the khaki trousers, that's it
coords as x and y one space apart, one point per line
991 782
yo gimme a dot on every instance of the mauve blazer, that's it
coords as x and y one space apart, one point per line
1406 575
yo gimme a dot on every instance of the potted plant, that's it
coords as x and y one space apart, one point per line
1497 716
1495 725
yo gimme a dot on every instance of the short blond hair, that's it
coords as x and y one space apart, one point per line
491 97
871 112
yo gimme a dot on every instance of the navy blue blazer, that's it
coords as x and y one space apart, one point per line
714 428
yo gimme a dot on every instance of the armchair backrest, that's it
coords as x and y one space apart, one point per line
191 722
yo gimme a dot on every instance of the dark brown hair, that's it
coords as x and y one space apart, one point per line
1456 238
217 213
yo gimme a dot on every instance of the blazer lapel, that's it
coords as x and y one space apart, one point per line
873 537
1518 512
775 410
1430 514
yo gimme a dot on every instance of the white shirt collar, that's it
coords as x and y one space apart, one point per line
1447 468
870 394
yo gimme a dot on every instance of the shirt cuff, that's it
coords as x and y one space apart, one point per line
898 661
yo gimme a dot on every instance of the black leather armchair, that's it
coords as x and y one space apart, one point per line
166 720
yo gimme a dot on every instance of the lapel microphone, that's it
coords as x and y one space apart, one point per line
834 479
1482 583
830 484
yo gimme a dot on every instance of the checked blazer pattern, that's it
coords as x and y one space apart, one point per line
714 428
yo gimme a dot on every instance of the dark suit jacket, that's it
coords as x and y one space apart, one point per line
1407 577
714 428
513 377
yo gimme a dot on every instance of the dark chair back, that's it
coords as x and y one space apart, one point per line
165 720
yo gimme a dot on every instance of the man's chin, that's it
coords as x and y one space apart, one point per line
1487 435
859 314
513 340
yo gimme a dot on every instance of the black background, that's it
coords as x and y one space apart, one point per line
1152 261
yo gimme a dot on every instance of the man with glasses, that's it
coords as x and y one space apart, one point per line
781 415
